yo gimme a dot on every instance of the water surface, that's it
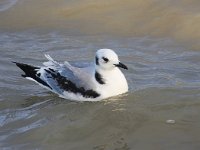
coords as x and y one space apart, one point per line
163 77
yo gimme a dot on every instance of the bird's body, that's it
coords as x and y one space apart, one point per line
95 82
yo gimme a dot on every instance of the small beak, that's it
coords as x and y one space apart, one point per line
121 65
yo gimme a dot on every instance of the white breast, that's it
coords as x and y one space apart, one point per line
115 84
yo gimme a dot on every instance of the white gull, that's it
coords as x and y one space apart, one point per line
101 80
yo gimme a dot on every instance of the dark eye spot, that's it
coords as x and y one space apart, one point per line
105 59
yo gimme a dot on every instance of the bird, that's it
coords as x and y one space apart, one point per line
100 80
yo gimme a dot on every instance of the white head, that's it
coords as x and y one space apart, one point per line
107 59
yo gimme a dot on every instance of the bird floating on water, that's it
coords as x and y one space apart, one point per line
101 80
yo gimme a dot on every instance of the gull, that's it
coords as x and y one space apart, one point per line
100 80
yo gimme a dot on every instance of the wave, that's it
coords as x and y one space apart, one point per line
179 19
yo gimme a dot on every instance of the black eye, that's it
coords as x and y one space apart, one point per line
105 59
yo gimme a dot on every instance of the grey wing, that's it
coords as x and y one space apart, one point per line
80 77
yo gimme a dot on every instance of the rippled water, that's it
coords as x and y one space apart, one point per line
154 38
164 80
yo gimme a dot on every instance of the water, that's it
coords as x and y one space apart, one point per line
178 19
163 76
6 4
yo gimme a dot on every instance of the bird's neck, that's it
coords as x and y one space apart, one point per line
111 80
106 74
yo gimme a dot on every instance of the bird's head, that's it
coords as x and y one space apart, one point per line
107 59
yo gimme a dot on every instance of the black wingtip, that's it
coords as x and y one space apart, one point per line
23 75
14 62
28 69
18 64
31 72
